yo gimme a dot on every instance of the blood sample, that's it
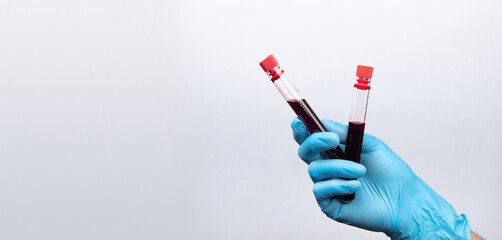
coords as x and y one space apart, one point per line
357 119
304 111
297 103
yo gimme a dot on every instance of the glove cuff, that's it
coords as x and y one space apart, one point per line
459 229
432 218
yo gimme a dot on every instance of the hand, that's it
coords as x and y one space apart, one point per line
389 198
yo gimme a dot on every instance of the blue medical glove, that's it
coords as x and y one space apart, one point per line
390 198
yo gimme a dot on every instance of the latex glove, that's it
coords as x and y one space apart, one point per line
390 198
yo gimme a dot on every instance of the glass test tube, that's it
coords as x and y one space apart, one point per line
297 103
357 118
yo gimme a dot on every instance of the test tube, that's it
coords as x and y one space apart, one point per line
297 103
357 119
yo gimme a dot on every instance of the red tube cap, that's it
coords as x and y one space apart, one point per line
364 71
268 63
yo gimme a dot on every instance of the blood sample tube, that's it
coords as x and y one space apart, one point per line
357 118
297 103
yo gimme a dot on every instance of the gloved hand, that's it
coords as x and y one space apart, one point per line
390 198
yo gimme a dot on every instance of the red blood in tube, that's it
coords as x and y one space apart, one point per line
354 141
307 116
353 147
313 124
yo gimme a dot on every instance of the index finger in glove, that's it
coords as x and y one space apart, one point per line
311 149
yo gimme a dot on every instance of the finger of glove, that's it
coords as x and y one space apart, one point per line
335 187
335 168
325 191
316 143
300 132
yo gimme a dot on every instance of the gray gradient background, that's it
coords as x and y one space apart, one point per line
152 119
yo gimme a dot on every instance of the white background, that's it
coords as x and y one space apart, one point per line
152 119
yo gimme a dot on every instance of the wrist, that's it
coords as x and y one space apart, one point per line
431 217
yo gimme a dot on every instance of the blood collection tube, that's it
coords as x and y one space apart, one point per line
357 118
297 103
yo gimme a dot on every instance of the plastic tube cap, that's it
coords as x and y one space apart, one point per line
364 71
268 63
